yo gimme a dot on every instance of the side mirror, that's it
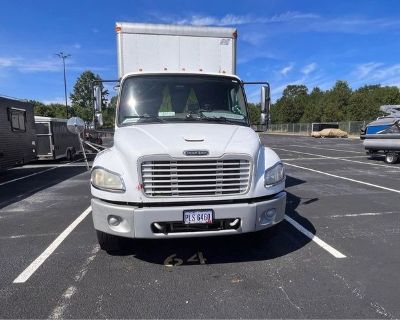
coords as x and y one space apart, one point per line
97 98
263 119
265 105
265 99
99 119
75 125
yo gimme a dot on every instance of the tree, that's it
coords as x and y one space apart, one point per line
290 107
314 106
254 112
336 102
365 102
53 110
81 98
109 113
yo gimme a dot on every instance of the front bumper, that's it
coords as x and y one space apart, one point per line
138 222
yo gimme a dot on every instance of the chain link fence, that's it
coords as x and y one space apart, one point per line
351 127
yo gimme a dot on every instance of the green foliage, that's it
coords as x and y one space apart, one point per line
109 113
313 109
337 104
81 97
365 101
290 107
53 110
254 111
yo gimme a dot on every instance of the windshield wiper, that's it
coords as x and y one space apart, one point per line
153 118
199 115
220 119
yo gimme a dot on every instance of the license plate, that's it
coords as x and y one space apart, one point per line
197 216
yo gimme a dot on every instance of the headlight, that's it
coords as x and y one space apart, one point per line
274 175
106 180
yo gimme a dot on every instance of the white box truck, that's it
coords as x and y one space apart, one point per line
185 161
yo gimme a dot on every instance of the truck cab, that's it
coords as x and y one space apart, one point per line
185 161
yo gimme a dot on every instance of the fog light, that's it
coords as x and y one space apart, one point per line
114 220
267 217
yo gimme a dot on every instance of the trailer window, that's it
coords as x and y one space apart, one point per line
18 119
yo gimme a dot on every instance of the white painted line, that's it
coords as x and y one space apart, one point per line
344 178
27 273
314 238
60 309
319 158
300 146
341 159
36 173
64 302
362 214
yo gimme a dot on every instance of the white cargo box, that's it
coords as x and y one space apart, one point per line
157 47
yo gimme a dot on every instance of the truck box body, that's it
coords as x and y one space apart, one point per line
17 132
154 48
54 139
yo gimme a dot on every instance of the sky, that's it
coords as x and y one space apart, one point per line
283 42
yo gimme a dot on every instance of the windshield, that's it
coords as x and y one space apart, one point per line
179 98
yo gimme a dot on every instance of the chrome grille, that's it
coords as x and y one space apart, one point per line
203 177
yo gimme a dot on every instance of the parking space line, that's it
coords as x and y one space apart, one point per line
30 270
362 214
341 159
314 238
344 178
319 158
300 146
36 173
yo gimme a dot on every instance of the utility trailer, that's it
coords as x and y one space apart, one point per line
17 132
54 141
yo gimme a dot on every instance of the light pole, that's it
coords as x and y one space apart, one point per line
63 57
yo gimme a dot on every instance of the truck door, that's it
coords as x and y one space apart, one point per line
43 138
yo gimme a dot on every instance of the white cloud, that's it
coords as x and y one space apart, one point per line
57 100
363 70
253 38
95 30
7 62
250 56
77 46
291 15
306 70
231 19
30 65
285 70
51 64
351 24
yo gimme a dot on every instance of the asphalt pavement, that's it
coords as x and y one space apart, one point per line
336 255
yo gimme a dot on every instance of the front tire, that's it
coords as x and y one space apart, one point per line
69 155
108 242
391 158
263 236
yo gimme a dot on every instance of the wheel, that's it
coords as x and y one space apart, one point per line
262 236
391 158
69 155
108 242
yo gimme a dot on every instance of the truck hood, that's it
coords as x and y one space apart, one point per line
175 138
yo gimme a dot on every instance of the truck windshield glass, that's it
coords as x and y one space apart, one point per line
147 99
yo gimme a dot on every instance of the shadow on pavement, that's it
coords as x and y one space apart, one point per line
277 241
24 188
